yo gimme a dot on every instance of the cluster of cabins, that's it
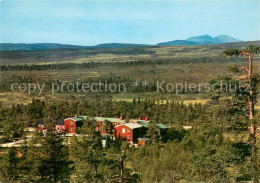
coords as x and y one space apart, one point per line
133 130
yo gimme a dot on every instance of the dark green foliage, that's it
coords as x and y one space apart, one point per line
107 127
174 134
12 129
231 52
253 49
47 157
9 165
234 68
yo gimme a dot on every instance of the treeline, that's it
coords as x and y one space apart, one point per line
69 53
171 113
52 66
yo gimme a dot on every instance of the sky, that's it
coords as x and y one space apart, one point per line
91 22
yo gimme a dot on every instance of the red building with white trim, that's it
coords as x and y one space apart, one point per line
112 122
71 124
129 131
68 125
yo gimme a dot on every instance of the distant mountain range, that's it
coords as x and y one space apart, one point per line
202 40
197 40
52 46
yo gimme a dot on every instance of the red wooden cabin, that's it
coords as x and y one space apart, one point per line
112 121
71 124
129 131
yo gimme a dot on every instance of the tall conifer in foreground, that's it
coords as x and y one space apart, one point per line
248 93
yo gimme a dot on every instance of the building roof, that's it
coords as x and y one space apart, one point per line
83 117
131 125
116 120
146 124
139 120
75 119
162 126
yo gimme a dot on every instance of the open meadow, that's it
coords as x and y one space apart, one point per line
172 64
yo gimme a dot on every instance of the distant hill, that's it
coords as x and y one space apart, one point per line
117 45
226 39
202 40
38 46
177 42
51 46
205 39
197 40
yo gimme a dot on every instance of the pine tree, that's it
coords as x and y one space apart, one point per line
86 154
48 154
248 93
9 170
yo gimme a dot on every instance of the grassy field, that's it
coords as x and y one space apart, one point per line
194 72
186 64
